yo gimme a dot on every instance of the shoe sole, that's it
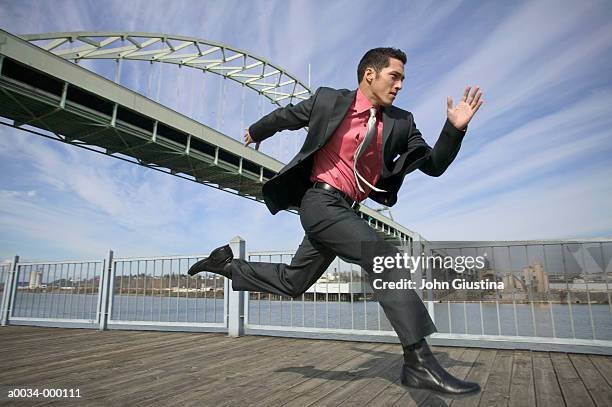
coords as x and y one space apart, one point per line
196 266
199 263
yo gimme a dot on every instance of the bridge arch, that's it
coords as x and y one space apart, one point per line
256 73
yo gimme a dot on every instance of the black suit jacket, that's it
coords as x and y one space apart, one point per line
404 150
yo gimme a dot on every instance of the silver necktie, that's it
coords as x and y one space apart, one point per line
370 135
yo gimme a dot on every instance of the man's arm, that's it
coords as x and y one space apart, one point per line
284 118
446 148
444 151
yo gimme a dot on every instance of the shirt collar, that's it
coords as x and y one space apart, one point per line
362 104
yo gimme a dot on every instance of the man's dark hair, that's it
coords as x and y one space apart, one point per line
378 58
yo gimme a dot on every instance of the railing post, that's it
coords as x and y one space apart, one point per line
429 278
5 291
105 278
235 317
416 248
10 287
5 281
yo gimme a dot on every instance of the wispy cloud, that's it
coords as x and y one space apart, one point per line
118 205
561 206
560 141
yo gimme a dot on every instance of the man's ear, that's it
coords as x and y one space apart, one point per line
369 74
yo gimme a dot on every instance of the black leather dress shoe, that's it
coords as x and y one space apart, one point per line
218 262
421 370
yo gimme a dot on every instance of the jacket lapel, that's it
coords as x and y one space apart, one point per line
388 123
341 107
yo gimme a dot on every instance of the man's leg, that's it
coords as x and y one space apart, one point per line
308 264
329 222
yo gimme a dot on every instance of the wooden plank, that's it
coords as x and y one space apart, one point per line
35 359
323 382
573 389
133 371
75 370
364 392
253 366
69 347
461 367
388 395
522 389
385 369
50 341
284 374
496 392
548 393
596 384
47 334
18 335
604 366
257 379
268 377
65 365
95 360
177 378
479 373
129 375
299 380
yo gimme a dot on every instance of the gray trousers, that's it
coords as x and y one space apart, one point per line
334 229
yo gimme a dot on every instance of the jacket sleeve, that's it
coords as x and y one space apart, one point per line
289 117
444 151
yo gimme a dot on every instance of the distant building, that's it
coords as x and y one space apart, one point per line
512 283
35 280
359 287
536 278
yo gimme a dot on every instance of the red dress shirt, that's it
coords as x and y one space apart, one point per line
333 163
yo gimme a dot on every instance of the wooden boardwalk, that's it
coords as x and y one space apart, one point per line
140 368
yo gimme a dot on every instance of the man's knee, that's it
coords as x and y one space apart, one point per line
296 291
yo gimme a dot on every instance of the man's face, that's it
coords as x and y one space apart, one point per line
386 84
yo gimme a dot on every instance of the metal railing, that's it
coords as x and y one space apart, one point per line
339 303
55 293
556 296
4 291
136 293
157 293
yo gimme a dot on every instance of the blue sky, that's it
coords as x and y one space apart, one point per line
536 163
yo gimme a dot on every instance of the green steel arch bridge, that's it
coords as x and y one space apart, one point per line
46 92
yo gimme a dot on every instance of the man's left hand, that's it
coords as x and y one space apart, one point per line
460 115
249 140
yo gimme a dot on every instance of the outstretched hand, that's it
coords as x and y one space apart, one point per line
248 140
460 115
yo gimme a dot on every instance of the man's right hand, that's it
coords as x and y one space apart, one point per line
248 140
